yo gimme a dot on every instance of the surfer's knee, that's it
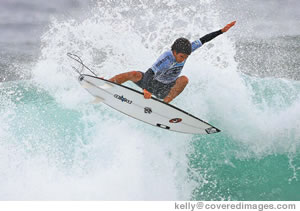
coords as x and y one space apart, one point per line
136 76
183 80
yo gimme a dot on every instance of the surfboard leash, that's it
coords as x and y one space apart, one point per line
79 60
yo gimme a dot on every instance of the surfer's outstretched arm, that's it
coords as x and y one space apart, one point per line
206 38
212 35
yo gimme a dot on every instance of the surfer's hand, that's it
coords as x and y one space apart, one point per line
228 26
167 99
147 95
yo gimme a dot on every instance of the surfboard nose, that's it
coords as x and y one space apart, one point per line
80 78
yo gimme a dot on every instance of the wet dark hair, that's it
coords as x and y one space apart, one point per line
182 45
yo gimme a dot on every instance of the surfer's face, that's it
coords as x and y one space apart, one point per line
180 57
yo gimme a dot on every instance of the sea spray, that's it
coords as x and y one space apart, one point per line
55 145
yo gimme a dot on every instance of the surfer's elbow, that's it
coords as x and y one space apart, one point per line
183 79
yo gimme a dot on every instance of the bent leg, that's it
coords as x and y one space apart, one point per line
179 86
134 76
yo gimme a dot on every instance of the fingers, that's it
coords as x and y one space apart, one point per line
167 99
232 23
147 95
228 26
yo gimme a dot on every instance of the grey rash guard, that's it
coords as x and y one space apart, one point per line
161 77
166 69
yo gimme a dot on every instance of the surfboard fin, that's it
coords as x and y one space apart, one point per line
97 100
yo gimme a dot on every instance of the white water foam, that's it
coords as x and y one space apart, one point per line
109 156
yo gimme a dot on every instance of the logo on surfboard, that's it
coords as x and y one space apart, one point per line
147 110
175 120
123 99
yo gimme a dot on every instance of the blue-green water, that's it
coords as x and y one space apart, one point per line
85 151
56 145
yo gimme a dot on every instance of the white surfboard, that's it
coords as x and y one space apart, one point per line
152 111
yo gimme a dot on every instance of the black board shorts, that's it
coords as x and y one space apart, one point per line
159 89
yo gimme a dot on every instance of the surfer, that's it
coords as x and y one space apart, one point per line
162 79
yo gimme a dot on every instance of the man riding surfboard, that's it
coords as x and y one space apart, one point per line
163 79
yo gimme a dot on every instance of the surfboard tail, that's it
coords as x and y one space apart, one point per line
212 130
